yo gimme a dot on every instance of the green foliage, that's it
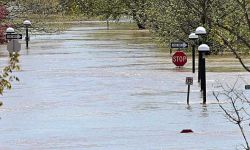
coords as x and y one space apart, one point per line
6 77
138 10
109 8
175 19
43 7
76 7
226 21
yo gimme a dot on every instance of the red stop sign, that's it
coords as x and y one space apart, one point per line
179 58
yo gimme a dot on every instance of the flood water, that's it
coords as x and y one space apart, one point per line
97 89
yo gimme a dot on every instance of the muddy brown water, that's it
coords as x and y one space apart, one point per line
94 89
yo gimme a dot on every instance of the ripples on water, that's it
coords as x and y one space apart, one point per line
90 88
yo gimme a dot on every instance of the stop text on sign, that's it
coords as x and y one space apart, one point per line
179 58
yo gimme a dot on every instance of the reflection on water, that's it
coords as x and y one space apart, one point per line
90 88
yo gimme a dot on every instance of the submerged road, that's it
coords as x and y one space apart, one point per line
94 89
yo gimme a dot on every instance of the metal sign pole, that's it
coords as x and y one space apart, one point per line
13 45
202 72
199 67
204 80
27 37
189 81
188 94
193 57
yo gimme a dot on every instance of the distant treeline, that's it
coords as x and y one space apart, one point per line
227 21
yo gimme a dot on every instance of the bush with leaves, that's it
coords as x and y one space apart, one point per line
3 27
6 77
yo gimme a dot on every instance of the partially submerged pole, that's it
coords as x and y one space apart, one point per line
203 49
108 24
189 81
27 24
188 94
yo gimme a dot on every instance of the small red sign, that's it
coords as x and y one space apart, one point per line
179 58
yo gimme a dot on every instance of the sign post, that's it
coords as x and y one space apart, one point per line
179 58
189 81
13 46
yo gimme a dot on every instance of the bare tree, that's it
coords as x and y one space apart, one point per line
235 105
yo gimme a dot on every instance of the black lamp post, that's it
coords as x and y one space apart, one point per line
203 49
193 37
27 24
200 31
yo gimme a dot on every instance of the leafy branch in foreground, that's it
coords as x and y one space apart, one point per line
7 77
235 106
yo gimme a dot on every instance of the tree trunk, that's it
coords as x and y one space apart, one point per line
141 26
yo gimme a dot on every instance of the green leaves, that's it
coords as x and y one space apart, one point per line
6 77
169 20
176 19
44 7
